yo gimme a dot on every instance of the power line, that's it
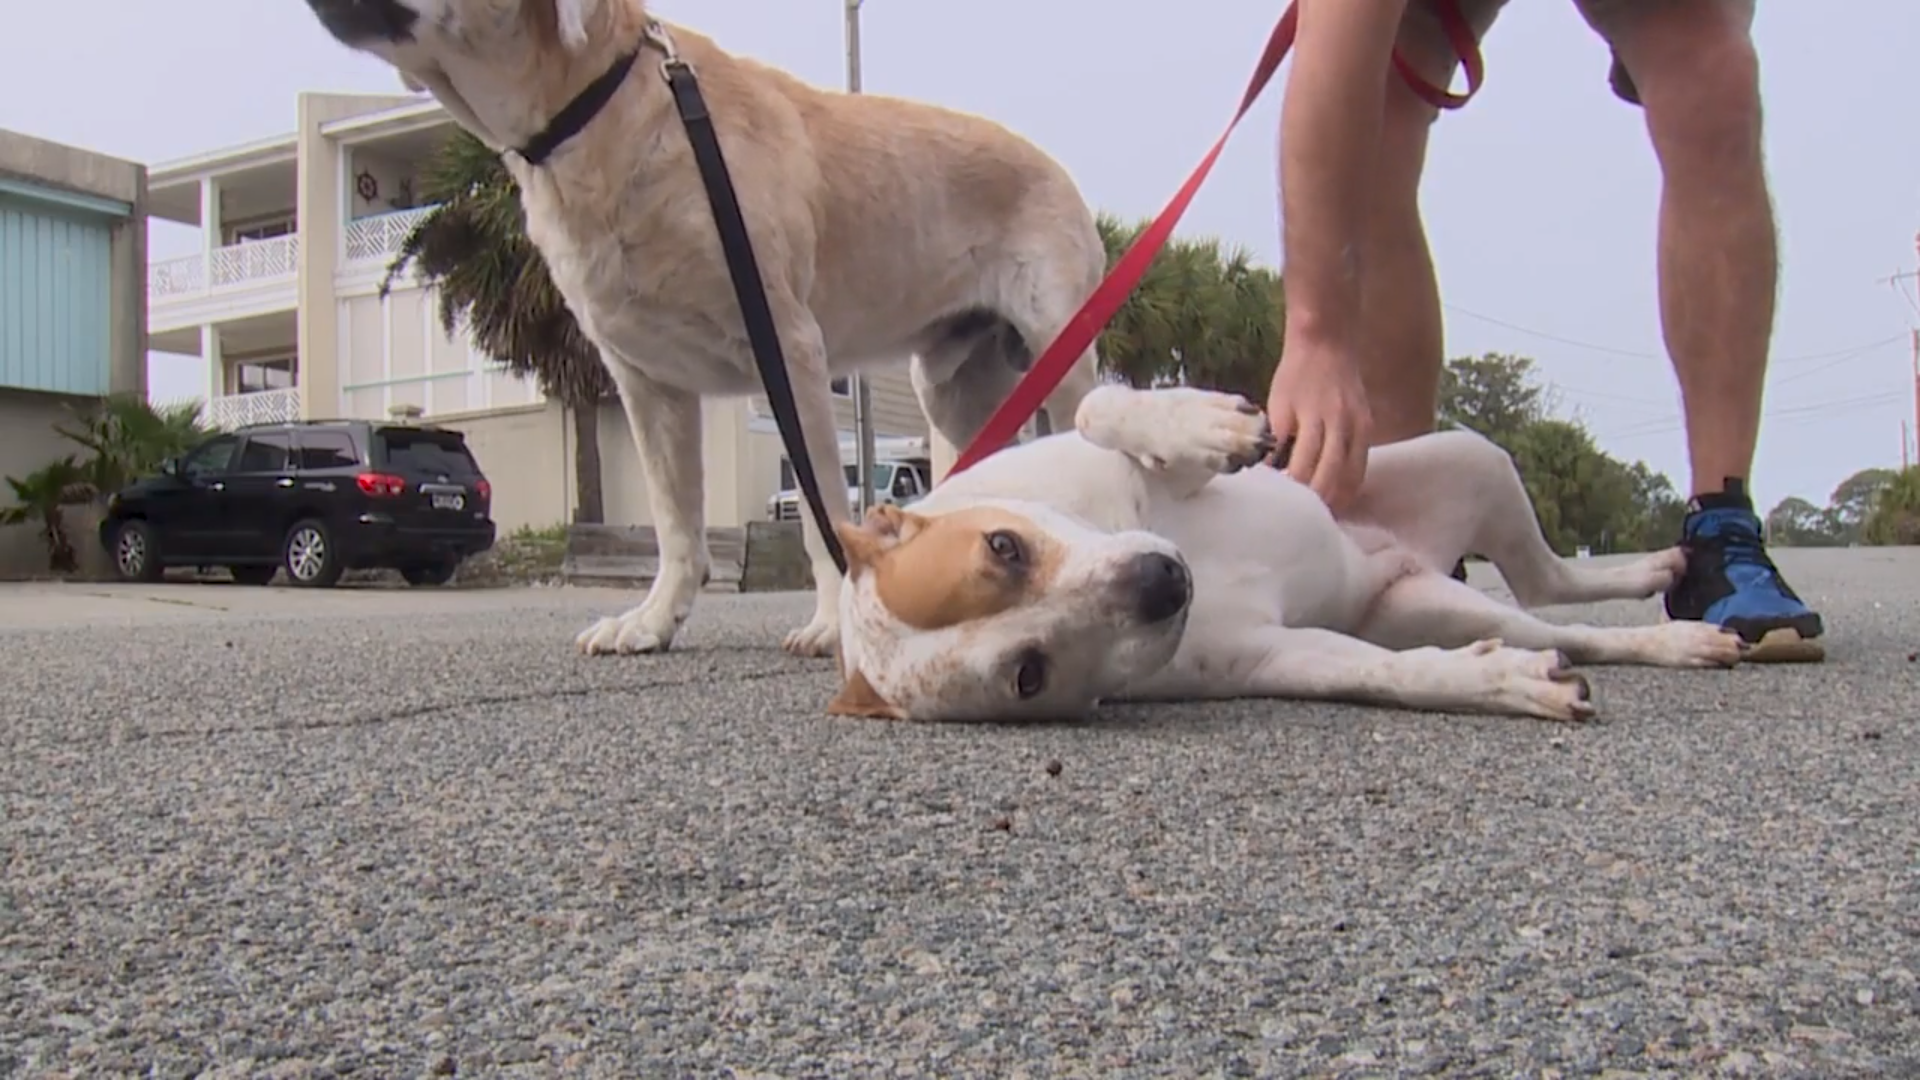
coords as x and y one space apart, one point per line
1642 355
1813 411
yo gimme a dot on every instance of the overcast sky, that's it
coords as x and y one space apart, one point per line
1540 194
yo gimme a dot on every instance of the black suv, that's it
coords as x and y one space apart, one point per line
315 498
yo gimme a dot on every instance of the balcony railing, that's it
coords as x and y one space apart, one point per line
377 237
250 262
262 407
369 240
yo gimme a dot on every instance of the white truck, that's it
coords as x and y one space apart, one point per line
902 473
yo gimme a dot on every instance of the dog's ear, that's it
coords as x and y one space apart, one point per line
570 18
857 697
886 528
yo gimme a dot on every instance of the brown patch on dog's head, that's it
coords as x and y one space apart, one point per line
999 610
857 697
935 573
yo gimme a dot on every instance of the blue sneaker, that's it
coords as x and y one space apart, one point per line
1731 582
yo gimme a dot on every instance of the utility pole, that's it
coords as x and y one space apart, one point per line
863 453
1917 362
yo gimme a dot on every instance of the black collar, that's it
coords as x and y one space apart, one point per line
579 112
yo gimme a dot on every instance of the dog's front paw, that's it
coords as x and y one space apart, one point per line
816 639
1687 643
1530 682
637 631
1220 432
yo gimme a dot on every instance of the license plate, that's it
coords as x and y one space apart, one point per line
449 502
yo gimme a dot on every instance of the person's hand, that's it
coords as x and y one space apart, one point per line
1321 424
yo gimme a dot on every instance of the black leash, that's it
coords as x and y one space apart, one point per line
735 242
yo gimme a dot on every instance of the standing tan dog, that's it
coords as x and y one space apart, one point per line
883 228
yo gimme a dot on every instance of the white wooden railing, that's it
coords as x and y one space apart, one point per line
250 262
377 237
262 407
185 276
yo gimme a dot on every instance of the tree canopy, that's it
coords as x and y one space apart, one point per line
1875 506
1584 496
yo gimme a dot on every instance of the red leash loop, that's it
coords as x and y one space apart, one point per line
1100 308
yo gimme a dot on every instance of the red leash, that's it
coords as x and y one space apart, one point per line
1100 308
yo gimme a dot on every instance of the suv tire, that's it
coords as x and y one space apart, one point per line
308 556
430 573
136 552
253 575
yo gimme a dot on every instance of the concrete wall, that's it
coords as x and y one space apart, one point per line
319 201
394 351
896 411
27 443
49 164
528 454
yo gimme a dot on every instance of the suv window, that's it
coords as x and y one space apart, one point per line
265 451
212 456
326 450
427 452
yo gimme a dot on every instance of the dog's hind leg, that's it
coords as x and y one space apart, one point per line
971 363
961 373
1453 493
1427 607
665 423
1310 663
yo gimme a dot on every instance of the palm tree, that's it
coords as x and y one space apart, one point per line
473 248
128 437
1895 515
42 497
1200 316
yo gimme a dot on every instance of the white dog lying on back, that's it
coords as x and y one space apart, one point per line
1140 558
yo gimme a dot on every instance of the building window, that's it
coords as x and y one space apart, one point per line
255 376
261 230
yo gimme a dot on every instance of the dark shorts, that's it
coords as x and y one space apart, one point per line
1422 26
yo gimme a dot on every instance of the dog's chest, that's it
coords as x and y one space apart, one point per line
673 324
1263 551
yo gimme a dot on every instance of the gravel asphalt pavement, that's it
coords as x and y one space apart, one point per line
381 833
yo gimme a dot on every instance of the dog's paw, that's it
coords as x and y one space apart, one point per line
1688 643
633 632
1220 432
1533 682
816 639
1658 572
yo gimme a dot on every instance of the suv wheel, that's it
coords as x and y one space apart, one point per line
253 575
308 556
432 573
136 555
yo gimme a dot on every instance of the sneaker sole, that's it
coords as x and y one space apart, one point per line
1784 645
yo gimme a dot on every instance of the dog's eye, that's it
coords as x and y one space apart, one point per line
1005 546
1032 676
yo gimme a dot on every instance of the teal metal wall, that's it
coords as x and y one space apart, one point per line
56 289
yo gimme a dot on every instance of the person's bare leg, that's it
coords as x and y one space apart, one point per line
1691 65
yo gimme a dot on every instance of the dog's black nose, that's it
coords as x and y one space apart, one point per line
358 22
1160 586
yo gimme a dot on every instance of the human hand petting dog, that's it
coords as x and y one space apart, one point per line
1317 406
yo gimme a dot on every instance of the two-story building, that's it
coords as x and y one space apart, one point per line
281 302
73 237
